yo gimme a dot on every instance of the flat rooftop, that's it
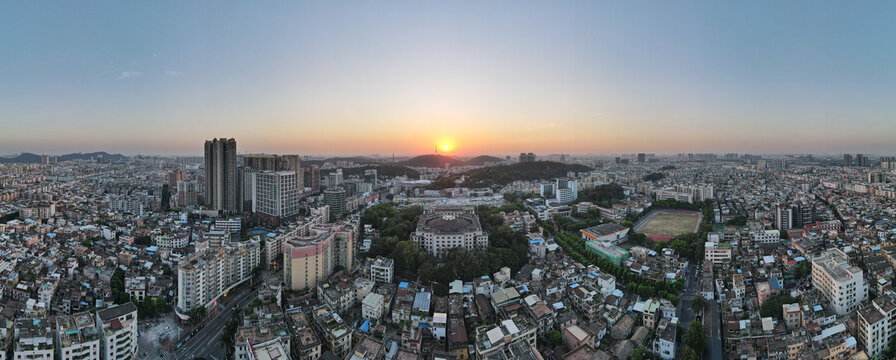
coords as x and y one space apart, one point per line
604 229
444 224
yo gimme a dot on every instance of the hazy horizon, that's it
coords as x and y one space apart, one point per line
540 156
499 77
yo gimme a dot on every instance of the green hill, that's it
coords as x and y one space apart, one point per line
483 159
431 161
505 174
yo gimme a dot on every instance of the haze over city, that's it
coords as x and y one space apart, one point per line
494 77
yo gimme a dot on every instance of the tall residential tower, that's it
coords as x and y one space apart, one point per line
221 175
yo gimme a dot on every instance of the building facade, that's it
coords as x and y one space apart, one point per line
839 281
204 277
876 324
335 199
118 333
276 197
310 258
443 229
221 175
77 337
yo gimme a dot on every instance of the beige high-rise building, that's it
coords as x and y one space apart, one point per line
311 258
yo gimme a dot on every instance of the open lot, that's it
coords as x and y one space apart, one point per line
661 225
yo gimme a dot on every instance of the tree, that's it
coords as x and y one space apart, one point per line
117 284
143 240
602 194
555 337
773 305
197 314
803 269
737 221
689 354
695 338
699 303
638 353
654 177
891 347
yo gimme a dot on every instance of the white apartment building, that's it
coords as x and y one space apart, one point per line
492 339
877 324
699 192
839 281
664 343
667 194
765 236
372 306
33 339
119 331
607 284
77 337
136 287
566 190
717 253
203 277
276 195
382 270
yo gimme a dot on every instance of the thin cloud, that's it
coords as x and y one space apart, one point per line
173 73
130 75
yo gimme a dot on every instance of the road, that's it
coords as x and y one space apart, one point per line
713 323
711 319
207 342
685 312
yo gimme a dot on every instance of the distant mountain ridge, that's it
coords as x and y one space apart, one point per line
484 159
431 161
31 158
439 161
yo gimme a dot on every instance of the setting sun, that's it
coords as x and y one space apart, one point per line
445 147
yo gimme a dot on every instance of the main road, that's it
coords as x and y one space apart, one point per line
207 342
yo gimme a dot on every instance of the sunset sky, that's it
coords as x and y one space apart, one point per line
496 77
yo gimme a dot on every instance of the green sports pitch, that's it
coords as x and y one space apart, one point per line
661 225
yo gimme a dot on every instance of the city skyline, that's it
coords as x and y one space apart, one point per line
493 78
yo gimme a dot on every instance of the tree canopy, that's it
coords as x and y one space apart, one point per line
737 221
773 305
602 194
506 247
698 303
695 338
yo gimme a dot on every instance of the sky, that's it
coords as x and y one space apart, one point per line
483 77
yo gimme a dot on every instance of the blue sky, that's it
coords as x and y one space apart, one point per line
488 77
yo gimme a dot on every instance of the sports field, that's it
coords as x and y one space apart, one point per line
662 225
